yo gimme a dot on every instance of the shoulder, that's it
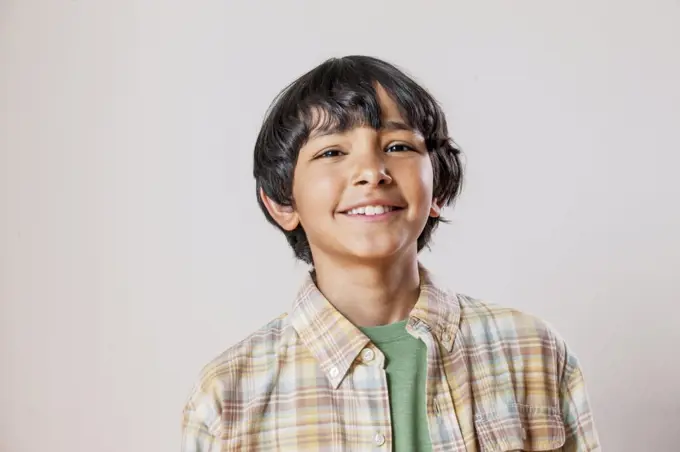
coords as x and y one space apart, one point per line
258 347
505 333
225 384
248 360
483 323
503 321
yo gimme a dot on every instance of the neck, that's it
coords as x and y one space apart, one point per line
370 294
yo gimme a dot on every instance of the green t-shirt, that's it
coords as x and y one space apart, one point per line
406 367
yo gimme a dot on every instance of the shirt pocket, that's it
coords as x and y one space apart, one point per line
518 427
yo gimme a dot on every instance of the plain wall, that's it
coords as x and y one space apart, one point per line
132 250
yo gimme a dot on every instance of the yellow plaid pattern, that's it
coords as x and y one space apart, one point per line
497 380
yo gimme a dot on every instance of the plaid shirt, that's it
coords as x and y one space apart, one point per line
497 380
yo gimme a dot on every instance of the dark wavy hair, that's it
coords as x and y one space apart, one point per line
343 90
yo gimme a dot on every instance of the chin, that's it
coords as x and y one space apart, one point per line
375 252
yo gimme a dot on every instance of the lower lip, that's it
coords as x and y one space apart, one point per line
374 218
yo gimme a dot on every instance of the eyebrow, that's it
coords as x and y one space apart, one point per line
386 126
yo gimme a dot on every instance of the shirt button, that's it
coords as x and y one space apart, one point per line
446 337
334 372
367 354
379 439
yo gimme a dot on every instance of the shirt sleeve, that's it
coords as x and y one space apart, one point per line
201 422
581 435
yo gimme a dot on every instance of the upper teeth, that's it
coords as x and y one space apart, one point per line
370 210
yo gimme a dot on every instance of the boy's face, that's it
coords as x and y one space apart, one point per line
338 176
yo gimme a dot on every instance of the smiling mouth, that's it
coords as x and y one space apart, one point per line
369 211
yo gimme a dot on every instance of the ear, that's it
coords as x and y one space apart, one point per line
285 216
435 209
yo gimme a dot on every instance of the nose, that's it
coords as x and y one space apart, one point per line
371 170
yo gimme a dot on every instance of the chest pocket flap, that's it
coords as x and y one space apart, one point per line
520 427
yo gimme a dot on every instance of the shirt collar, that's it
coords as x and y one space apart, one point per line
335 342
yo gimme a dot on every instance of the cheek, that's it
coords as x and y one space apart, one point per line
427 178
417 181
316 192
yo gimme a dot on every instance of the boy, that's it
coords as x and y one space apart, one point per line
354 164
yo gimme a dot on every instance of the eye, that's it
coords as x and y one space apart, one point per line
398 147
328 153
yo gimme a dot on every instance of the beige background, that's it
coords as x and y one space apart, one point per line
132 250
